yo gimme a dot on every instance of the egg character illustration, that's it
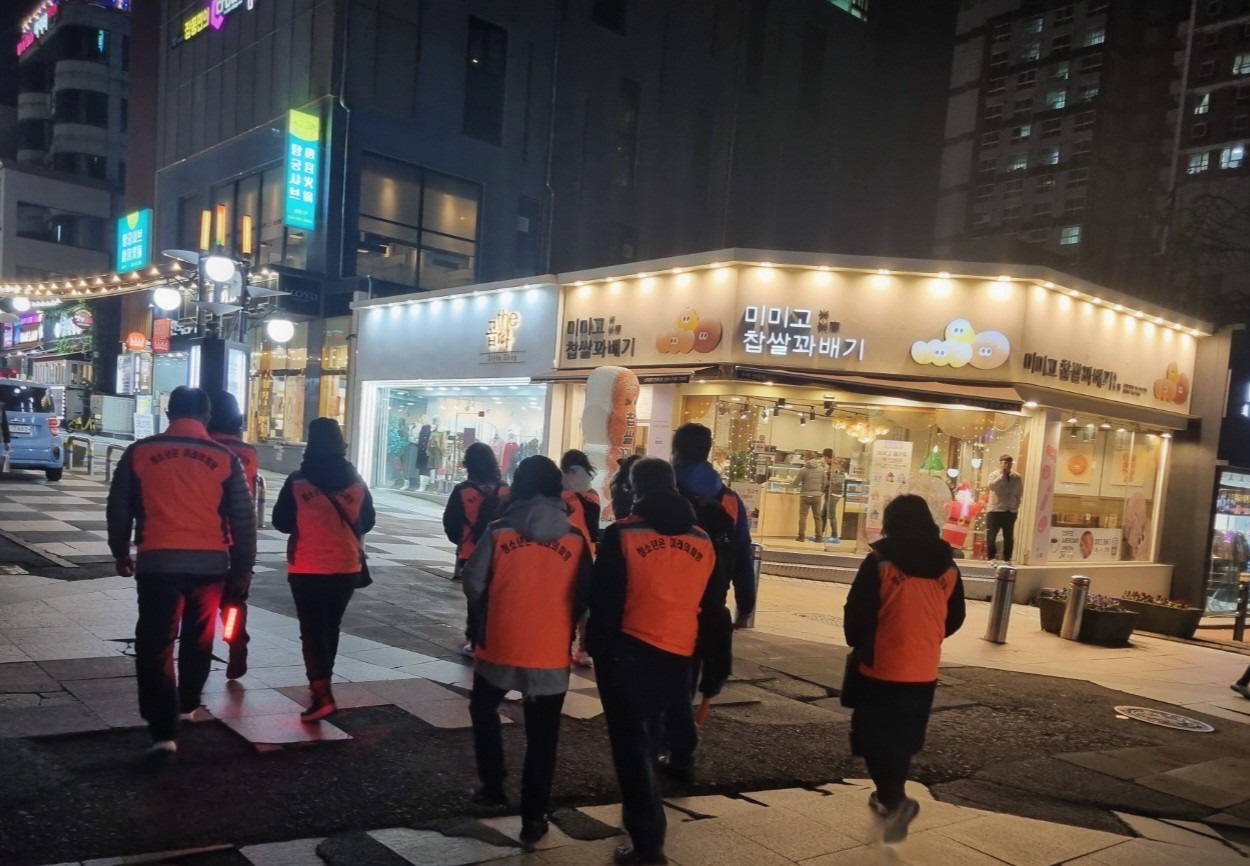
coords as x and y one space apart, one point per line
989 350
1173 372
1180 388
960 331
1165 390
707 334
688 320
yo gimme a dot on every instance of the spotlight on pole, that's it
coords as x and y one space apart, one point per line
167 298
21 304
219 269
280 330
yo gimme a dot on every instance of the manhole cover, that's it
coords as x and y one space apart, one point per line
1165 720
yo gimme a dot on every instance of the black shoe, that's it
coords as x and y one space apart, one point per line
626 856
489 798
679 772
237 665
322 705
531 832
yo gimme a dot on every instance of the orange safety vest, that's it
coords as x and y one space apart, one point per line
182 477
911 625
665 576
322 543
577 510
246 454
472 498
530 599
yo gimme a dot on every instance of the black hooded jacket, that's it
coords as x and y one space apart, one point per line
668 513
331 473
925 557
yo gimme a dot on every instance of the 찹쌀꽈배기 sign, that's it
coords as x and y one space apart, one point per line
303 161
134 241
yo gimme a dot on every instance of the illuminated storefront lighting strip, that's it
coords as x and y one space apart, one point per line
107 285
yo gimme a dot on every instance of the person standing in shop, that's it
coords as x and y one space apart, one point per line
812 481
225 426
526 584
1006 490
473 504
905 600
650 581
185 498
327 509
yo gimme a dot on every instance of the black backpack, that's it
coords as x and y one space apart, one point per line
712 517
489 511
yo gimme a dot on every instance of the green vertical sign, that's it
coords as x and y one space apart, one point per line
303 164
134 241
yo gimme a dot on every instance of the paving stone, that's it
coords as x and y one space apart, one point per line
240 703
90 668
580 706
434 849
783 796
510 826
1026 842
298 852
1161 831
111 689
708 842
788 833
48 721
1217 784
714 805
1124 764
1136 852
283 729
28 676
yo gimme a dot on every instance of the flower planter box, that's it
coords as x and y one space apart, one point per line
1103 627
1179 622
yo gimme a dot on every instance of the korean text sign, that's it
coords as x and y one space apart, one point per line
134 241
303 164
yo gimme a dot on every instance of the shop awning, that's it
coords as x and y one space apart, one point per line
646 375
1081 405
999 398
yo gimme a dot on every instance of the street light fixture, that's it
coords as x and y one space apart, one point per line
21 304
167 298
220 269
280 330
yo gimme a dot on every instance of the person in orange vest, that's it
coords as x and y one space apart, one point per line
225 426
650 582
584 510
327 509
907 597
185 499
473 504
526 584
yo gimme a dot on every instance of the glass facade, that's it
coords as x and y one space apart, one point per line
278 377
334 361
1230 550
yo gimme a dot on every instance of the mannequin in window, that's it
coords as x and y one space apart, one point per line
435 451
418 481
508 458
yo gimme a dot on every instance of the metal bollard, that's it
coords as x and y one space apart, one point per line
108 460
260 502
757 560
1000 605
1078 594
1243 598
90 456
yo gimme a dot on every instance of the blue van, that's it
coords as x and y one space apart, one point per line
34 428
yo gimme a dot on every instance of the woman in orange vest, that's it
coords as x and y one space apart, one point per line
906 599
526 586
584 509
651 582
473 504
326 509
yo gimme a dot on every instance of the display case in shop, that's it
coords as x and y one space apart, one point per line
1230 529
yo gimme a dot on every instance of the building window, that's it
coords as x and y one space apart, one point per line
1041 209
1018 162
1013 213
1210 39
1073 206
1095 36
989 139
1065 15
1044 183
89 107
1050 156
995 86
1199 131
1069 235
1214 7
1062 42
1024 105
1002 32
1061 71
1084 120
1092 63
486 68
610 14
416 227
1056 99
1231 157
1033 25
1241 122
984 193
987 165
1035 236
1077 177
625 146
993 112
1198 163
1241 64
1013 187
1020 133
1051 128
1082 147
1203 105
1241 93
1031 51
1088 93
998 56
1097 7
1024 79
41 223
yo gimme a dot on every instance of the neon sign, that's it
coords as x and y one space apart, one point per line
37 24
212 14
303 163
134 241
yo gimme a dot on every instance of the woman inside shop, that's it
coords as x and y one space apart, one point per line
906 599
473 504
326 508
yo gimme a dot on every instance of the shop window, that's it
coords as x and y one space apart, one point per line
416 228
334 361
279 376
1198 163
486 67
1232 157
1069 235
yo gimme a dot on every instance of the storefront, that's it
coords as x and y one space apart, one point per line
440 371
918 379
1230 547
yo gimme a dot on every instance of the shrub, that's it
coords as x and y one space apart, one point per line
1147 598
1093 602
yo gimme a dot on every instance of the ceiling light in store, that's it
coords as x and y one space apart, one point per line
1003 278
944 275
1121 430
1104 425
1118 308
1030 404
1165 435
1072 420
1097 300
976 462
885 272
1048 284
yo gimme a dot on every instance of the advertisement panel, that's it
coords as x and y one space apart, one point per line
303 163
134 241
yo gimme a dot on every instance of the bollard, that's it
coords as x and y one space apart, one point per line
1243 598
108 460
1078 594
90 456
1000 605
757 560
260 502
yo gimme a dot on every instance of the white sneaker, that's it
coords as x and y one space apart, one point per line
894 825
163 748
199 714
467 650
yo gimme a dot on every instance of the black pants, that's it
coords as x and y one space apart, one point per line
320 602
681 734
637 683
238 645
888 727
994 521
168 604
542 736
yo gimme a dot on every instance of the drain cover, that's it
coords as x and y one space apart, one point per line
1165 720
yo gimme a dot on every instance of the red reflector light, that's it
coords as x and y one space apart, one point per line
229 620
54 424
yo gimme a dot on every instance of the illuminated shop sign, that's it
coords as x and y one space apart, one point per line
787 331
37 24
303 159
134 241
502 330
211 15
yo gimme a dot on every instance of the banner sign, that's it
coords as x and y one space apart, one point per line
134 241
303 161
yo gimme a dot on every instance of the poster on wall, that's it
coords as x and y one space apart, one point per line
1130 461
1078 544
891 468
1076 464
1039 544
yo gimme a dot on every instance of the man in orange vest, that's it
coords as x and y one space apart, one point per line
526 584
186 500
225 426
650 582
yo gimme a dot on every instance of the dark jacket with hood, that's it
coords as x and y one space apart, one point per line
906 598
668 514
702 480
321 541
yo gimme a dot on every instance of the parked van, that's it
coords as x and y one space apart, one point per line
34 427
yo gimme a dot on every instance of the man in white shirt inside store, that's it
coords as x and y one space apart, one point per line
1006 489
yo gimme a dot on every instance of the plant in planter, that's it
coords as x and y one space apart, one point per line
1104 620
1162 615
